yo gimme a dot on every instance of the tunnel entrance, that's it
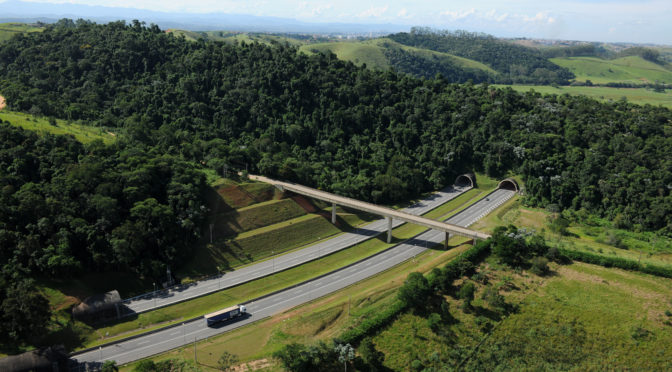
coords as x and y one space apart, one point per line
509 184
466 180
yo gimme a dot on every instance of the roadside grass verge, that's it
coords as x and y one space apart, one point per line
262 243
82 133
600 237
255 216
322 318
175 313
257 244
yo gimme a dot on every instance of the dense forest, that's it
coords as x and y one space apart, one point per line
379 136
516 64
375 135
429 66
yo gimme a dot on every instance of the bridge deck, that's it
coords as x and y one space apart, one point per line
372 208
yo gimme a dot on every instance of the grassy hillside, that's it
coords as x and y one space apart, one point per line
82 133
372 53
357 52
189 35
582 317
632 69
584 233
7 30
635 95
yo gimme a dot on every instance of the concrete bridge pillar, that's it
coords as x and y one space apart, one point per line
445 242
389 229
333 213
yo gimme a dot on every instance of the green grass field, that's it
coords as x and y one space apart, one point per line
632 69
635 95
357 52
255 216
372 53
598 237
583 317
7 30
188 35
82 133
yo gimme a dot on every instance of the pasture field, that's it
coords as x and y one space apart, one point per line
639 96
632 69
367 52
82 133
372 53
7 30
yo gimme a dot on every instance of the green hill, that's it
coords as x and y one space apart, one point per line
631 69
7 30
368 52
374 53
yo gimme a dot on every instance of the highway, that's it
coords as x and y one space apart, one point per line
281 262
186 333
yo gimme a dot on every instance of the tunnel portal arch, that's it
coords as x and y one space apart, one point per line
466 180
509 184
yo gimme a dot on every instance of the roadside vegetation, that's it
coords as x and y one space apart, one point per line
508 302
77 335
139 203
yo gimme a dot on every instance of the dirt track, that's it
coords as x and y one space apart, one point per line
2 102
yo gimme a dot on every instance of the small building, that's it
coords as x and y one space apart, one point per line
51 359
103 305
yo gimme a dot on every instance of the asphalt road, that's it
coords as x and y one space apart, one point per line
282 262
186 333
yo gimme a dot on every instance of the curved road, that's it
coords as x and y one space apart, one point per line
171 338
245 274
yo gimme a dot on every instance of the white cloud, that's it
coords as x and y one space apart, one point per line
373 12
403 13
307 11
541 17
459 14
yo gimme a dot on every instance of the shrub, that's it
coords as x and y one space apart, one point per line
434 322
466 293
540 266
493 298
415 292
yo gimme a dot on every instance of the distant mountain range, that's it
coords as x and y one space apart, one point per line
21 11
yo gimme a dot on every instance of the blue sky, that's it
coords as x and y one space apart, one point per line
594 20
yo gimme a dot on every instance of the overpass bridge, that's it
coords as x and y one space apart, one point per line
388 213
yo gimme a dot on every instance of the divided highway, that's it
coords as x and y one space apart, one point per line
186 333
282 262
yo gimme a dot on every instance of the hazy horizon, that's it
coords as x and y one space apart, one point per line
592 20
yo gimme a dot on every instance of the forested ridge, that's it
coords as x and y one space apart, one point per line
515 63
379 136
